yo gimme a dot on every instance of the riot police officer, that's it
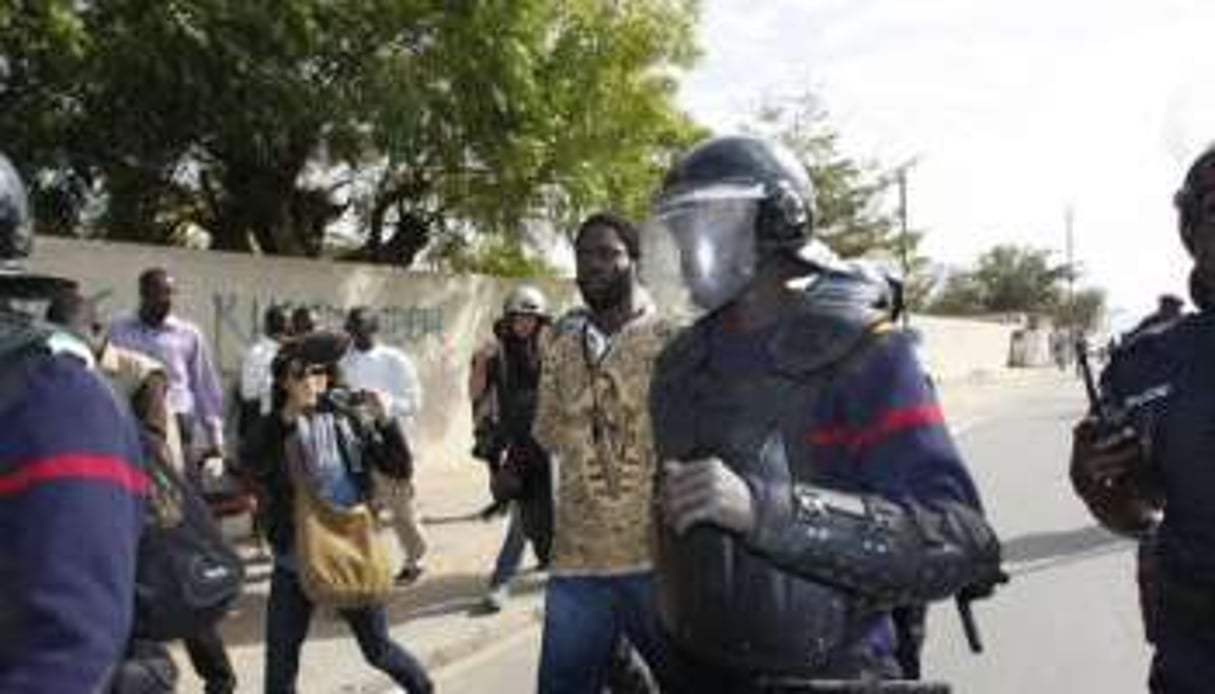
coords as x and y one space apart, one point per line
809 483
71 487
1147 450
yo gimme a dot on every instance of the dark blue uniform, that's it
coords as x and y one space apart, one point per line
1169 379
862 501
71 509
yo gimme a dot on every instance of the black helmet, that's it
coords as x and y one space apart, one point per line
786 212
1199 179
17 241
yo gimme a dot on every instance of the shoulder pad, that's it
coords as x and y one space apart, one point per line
684 353
814 341
1169 344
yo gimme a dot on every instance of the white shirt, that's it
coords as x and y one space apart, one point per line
387 371
256 380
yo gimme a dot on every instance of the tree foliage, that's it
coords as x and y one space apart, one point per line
498 256
1084 311
264 121
1007 278
1020 279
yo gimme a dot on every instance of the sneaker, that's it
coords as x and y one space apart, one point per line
493 601
408 575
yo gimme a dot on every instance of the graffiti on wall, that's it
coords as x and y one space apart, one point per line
241 316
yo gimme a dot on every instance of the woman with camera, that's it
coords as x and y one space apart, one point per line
315 453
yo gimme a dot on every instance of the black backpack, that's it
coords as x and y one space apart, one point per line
187 576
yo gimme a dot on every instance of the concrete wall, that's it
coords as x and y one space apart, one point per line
437 319
955 348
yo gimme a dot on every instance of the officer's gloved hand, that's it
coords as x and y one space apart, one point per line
1106 474
706 491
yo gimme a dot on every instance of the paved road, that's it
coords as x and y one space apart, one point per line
1067 623
1069 620
509 666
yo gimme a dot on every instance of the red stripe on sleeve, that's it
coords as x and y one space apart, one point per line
894 422
77 467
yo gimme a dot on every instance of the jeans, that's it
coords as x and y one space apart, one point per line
511 554
584 616
287 617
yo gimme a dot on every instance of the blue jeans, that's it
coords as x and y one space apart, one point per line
583 618
511 554
287 618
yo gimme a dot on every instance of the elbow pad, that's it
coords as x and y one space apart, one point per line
889 554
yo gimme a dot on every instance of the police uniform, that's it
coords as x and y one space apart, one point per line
861 500
1167 381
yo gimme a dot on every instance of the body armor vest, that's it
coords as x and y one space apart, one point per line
722 601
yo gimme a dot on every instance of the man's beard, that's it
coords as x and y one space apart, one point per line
155 316
607 295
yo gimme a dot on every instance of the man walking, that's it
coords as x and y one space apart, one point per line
255 378
388 372
196 401
591 417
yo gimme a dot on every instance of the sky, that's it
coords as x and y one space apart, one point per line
1014 110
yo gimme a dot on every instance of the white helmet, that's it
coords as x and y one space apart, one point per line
525 300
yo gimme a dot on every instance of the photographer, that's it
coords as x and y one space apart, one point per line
502 387
328 439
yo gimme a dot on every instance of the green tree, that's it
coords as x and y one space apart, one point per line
1084 311
1007 278
961 296
264 121
498 255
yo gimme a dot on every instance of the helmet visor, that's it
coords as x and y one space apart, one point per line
709 236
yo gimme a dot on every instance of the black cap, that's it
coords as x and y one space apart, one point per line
322 348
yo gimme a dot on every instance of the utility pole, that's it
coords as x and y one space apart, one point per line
1074 331
1069 220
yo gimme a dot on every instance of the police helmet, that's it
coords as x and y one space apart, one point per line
786 211
525 300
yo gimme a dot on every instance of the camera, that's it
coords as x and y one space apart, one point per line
354 403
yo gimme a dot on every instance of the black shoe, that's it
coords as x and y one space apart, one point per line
408 575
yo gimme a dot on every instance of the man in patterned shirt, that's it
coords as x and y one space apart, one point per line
592 417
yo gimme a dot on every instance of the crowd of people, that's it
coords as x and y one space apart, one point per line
761 495
114 443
